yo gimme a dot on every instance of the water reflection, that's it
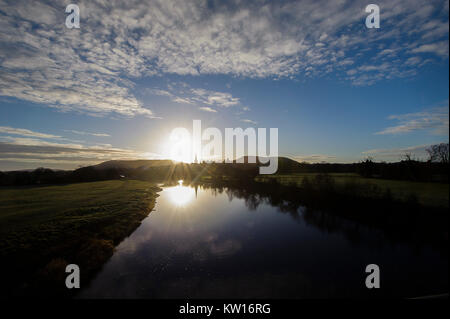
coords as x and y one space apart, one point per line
395 223
245 242
180 195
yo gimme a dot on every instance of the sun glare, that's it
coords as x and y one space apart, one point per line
181 147
181 195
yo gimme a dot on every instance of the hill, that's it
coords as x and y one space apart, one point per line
132 164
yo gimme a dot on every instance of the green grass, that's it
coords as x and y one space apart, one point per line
77 223
428 194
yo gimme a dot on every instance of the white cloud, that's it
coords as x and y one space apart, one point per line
249 121
25 132
413 60
435 120
207 109
184 94
88 133
181 100
161 92
439 48
214 98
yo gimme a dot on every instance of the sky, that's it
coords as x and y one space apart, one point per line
116 87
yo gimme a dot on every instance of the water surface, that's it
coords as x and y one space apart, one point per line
219 243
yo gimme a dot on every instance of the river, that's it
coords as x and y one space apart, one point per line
219 243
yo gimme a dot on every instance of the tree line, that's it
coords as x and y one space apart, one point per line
434 169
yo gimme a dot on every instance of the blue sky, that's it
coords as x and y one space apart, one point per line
116 87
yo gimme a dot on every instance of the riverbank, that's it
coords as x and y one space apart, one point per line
426 193
45 228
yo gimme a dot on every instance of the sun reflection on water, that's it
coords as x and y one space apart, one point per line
181 195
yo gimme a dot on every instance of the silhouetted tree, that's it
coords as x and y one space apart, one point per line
367 167
438 153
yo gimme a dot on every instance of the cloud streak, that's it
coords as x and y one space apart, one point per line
23 147
249 121
435 120
23 152
88 133
207 109
25 132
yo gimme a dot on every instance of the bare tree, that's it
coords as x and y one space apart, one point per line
438 153
407 157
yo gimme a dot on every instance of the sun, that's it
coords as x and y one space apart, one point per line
181 147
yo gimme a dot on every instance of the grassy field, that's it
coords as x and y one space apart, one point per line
428 194
48 227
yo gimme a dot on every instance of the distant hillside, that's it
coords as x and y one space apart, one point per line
284 164
132 164
150 170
